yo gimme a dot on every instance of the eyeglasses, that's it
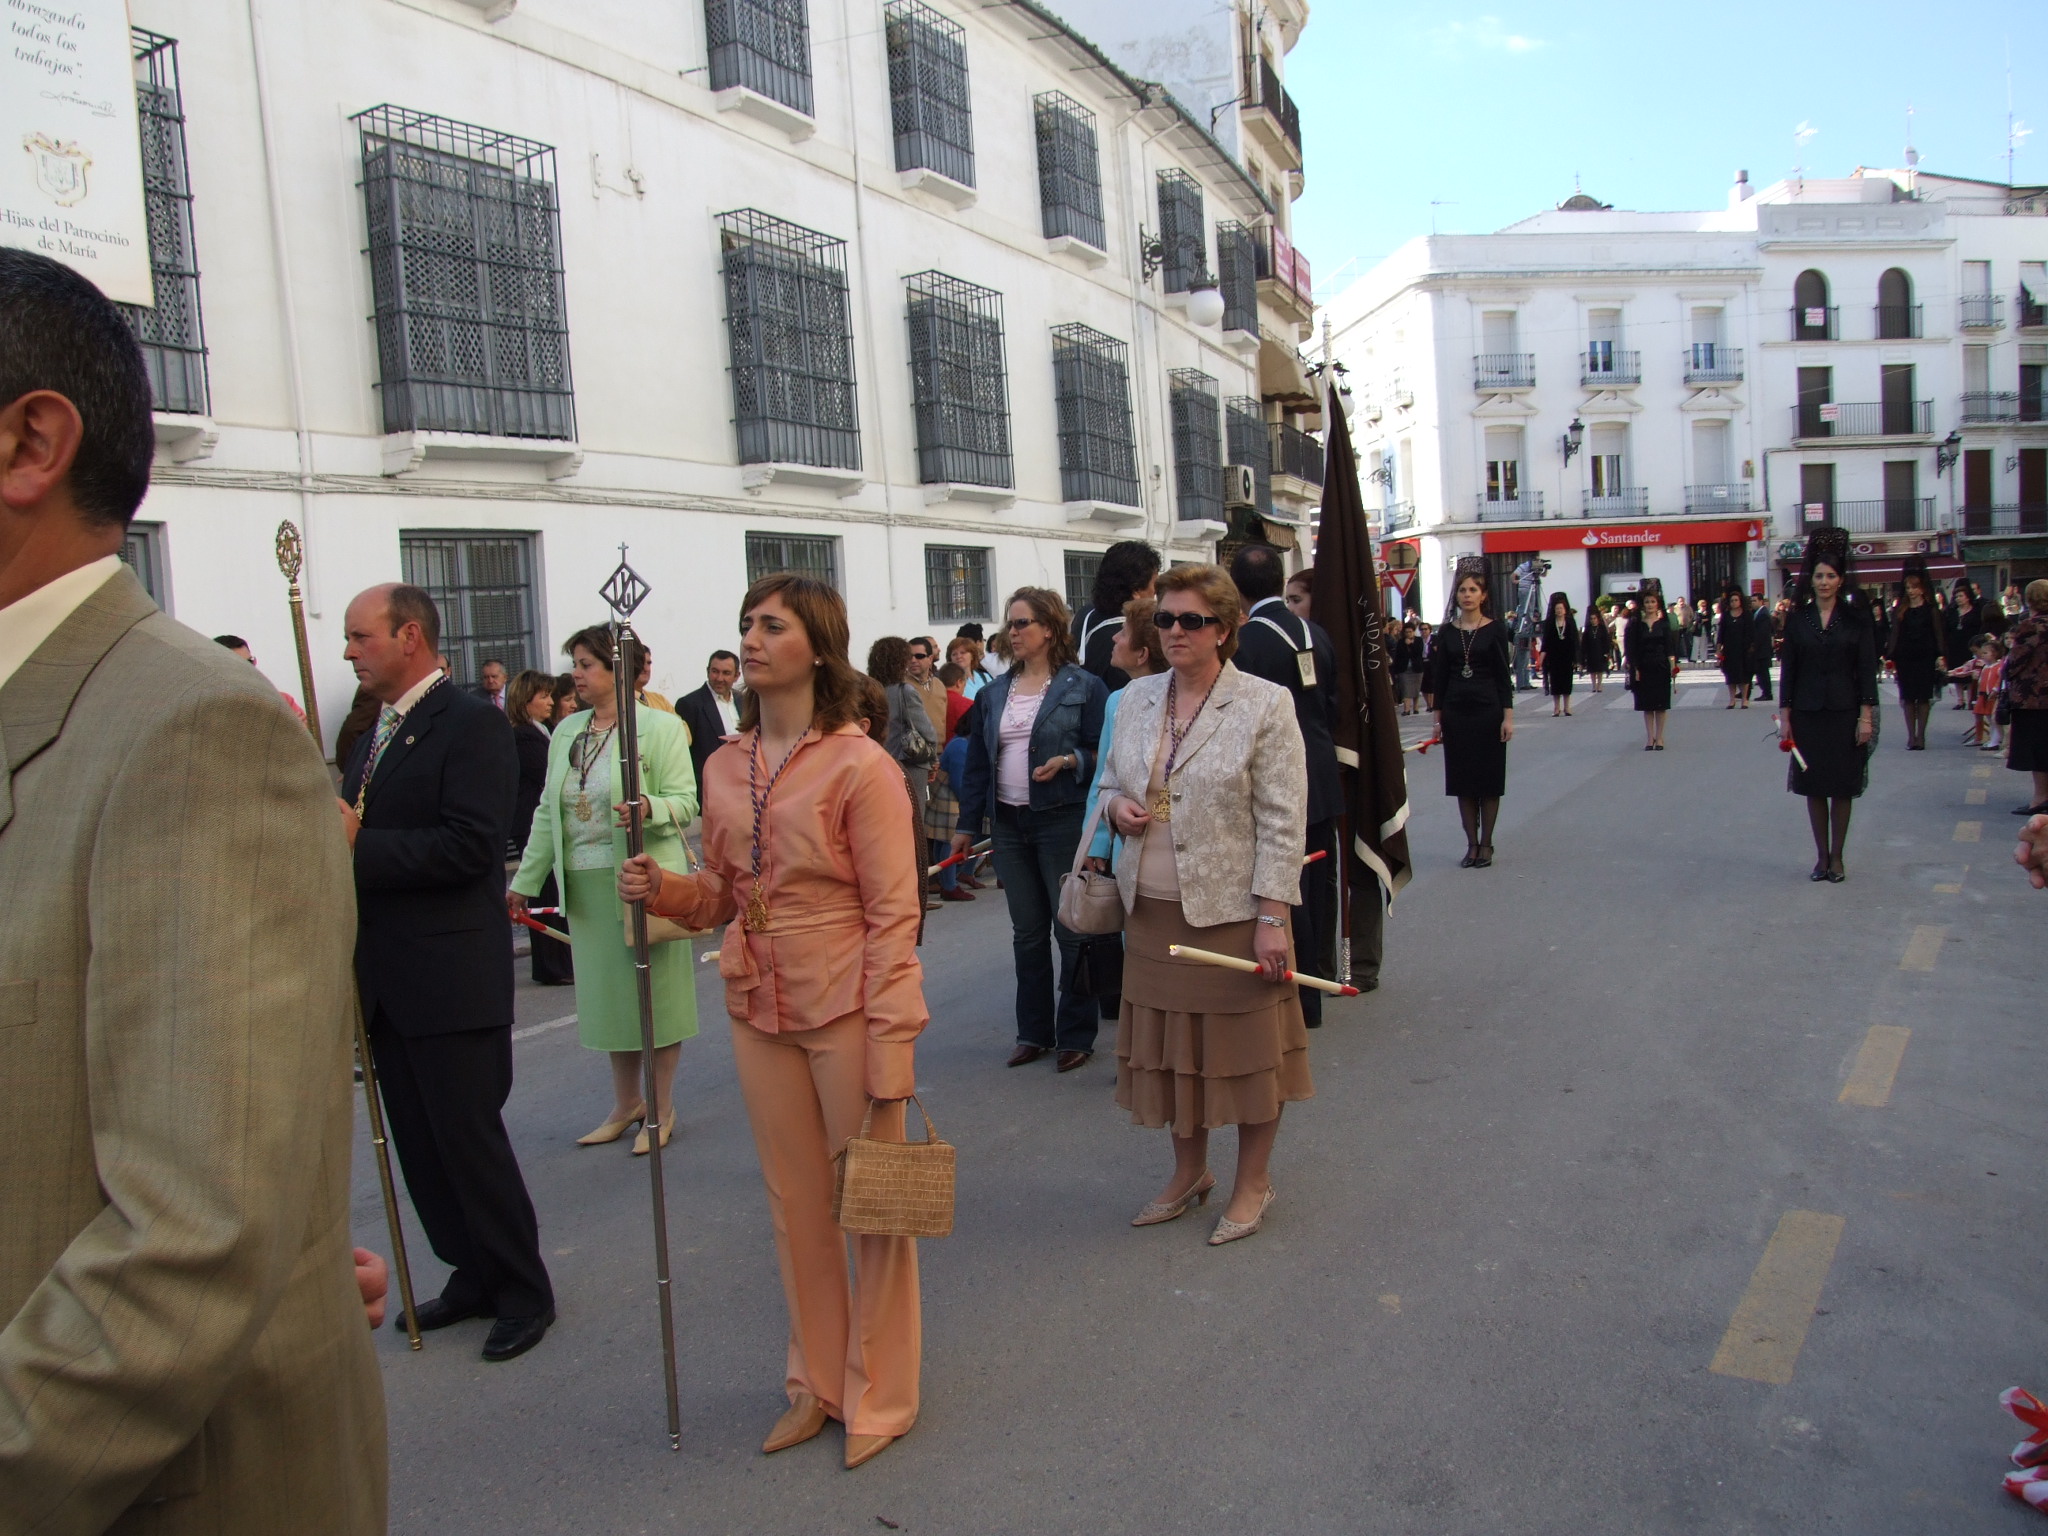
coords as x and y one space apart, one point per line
1017 624
1191 622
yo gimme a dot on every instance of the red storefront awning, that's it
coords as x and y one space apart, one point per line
1734 530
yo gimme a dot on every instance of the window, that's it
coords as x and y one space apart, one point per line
1895 396
959 388
1197 438
1898 317
1812 319
764 45
1092 386
1710 461
1901 495
483 583
1069 170
1603 329
928 103
2033 295
465 263
173 339
791 336
1605 443
1082 564
1237 268
956 585
1503 463
1249 441
1816 492
802 554
142 549
1183 239
1816 389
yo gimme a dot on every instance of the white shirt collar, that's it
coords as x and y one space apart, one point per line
28 621
416 692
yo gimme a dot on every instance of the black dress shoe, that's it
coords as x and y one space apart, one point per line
1072 1059
438 1312
512 1337
1024 1055
1370 984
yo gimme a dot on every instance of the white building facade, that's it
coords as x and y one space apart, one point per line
1679 395
475 293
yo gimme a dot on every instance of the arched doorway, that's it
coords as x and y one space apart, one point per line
1898 317
1812 317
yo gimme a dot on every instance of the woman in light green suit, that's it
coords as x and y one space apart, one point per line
579 833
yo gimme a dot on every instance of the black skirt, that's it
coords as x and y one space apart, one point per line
1836 768
1918 678
1557 677
1475 758
2027 741
1653 689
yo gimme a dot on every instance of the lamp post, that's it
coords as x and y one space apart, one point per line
1205 298
1573 440
1946 452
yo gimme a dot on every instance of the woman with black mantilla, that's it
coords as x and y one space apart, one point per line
1916 649
1827 691
1650 649
1560 653
1472 682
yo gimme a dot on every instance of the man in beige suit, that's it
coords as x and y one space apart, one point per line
184 1347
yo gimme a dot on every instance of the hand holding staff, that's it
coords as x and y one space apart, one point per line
962 856
1232 963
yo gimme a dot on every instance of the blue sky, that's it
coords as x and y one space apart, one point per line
1491 108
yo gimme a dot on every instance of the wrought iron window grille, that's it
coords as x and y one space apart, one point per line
483 584
1251 442
1197 440
172 332
763 45
1237 271
1183 246
789 324
1069 170
956 585
1092 390
929 107
959 385
465 264
1081 568
814 556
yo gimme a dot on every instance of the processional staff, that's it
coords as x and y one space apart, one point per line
291 556
623 593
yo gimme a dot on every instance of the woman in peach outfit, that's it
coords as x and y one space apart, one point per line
809 858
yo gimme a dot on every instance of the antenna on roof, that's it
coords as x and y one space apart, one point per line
2016 132
1800 135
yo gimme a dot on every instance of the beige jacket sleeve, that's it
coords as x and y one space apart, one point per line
219 930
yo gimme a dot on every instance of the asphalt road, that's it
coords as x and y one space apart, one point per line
1595 1108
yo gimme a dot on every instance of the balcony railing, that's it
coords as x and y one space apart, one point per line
1708 362
1273 98
2033 314
1525 508
1625 501
1893 514
1601 367
1898 322
1980 311
1816 323
1865 418
1504 370
1298 454
1717 498
1396 515
1989 407
1280 262
2021 517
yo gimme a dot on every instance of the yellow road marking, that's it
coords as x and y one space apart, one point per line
1969 831
1922 949
1976 796
1954 888
1981 771
1769 1327
1877 1064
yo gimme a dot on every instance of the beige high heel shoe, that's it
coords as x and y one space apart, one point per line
1228 1231
861 1449
802 1420
612 1130
668 1128
1157 1211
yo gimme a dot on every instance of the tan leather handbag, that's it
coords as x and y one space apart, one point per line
1090 902
895 1188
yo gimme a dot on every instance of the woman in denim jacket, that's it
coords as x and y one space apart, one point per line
1029 764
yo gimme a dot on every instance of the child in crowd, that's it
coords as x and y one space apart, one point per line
1990 651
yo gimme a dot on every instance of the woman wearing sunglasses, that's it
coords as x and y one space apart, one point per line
1029 764
1207 785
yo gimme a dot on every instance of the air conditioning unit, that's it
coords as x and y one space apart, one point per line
1240 486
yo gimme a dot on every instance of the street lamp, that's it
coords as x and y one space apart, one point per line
1205 298
1946 452
1574 439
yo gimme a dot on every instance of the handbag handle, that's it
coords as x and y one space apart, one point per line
867 1121
1087 835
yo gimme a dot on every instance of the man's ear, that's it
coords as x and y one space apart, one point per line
39 438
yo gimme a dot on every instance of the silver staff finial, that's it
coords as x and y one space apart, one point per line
624 590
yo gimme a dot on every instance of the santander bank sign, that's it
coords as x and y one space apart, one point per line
1627 535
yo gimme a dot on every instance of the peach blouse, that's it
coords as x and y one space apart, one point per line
839 874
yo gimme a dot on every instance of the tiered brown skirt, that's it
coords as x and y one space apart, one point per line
1198 1046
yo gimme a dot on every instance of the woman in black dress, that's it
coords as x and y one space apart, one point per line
1734 637
1916 650
1596 646
1650 652
1471 678
530 706
1560 653
1827 693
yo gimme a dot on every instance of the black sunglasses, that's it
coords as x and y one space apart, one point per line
1022 623
1191 622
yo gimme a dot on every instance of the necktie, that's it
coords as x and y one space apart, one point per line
387 727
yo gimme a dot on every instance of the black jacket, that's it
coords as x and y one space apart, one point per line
1094 638
1261 653
433 946
532 744
1069 720
1833 668
699 711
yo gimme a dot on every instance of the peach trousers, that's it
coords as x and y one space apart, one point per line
854 1339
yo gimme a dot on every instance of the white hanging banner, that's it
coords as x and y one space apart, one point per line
70 154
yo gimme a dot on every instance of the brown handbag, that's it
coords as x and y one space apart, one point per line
1089 902
894 1188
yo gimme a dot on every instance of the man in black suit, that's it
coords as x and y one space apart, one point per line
428 798
1279 645
712 712
1763 650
